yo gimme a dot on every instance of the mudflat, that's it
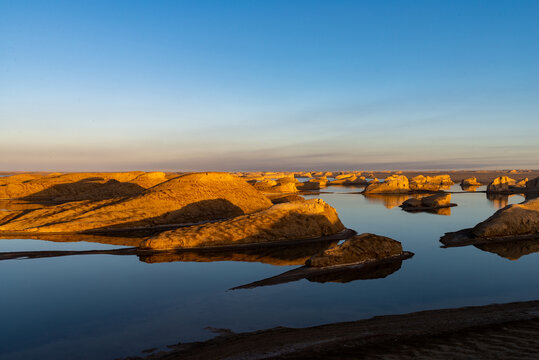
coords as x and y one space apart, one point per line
506 331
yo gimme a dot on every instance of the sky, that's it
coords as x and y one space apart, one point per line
268 85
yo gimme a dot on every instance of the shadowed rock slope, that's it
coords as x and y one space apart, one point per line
78 186
360 248
185 199
288 221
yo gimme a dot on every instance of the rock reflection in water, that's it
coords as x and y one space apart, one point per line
110 240
469 188
279 255
346 275
338 274
498 200
441 211
388 200
512 250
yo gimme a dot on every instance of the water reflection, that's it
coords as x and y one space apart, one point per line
498 200
388 200
469 188
109 240
512 250
440 211
279 255
335 274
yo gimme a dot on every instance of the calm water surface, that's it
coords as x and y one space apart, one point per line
106 306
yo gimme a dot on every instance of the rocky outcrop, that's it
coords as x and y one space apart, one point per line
470 182
360 248
282 222
288 187
532 185
279 199
513 220
350 180
501 184
430 183
428 203
393 184
308 185
313 184
440 180
521 183
185 199
265 184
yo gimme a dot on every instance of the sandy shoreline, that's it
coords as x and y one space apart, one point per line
494 331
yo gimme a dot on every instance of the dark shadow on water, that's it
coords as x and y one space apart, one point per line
338 274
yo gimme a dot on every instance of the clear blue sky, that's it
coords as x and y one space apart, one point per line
247 85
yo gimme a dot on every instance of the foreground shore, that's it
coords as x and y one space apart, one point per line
506 331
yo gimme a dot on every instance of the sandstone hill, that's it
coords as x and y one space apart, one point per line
288 221
185 199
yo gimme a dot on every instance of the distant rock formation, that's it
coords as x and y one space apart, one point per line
500 185
360 248
283 222
185 199
393 184
78 186
428 203
279 199
472 181
313 184
430 183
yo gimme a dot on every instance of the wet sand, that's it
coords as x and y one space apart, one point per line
507 331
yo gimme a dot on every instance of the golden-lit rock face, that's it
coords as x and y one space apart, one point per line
440 180
78 186
513 220
288 221
430 183
360 248
283 185
184 199
392 185
470 182
501 184
521 183
280 198
433 201
150 179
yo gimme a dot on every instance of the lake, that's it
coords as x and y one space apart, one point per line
108 306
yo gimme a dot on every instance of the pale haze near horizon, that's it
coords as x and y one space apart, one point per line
283 85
